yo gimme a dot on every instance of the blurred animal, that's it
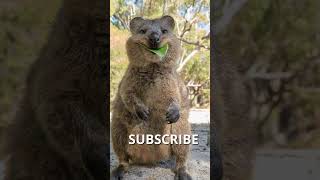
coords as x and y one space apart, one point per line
60 128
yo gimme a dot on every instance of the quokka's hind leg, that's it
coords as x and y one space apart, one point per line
181 151
120 144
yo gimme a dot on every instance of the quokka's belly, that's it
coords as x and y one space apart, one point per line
147 153
160 95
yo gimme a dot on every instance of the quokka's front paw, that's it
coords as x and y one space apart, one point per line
173 113
142 112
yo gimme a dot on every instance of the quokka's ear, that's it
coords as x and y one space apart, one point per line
168 21
135 23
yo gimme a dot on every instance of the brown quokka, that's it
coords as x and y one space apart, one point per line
60 128
151 99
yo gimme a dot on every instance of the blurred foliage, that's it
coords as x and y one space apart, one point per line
198 72
269 40
24 27
118 58
192 25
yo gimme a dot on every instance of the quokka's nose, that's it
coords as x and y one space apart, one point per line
154 40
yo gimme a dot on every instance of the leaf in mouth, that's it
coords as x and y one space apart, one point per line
161 52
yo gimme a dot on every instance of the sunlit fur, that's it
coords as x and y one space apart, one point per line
153 84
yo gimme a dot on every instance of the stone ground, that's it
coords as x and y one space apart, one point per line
269 165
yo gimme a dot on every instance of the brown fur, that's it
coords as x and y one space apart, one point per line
60 128
235 130
152 85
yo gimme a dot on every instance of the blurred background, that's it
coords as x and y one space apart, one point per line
277 47
192 28
24 25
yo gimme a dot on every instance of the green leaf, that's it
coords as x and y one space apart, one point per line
161 52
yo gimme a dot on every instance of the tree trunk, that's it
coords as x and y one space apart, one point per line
164 7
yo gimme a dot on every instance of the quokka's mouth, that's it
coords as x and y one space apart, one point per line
161 52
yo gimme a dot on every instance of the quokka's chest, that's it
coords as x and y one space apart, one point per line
160 90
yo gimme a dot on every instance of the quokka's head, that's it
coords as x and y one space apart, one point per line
150 35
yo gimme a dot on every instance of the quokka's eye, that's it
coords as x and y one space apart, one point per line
142 31
164 31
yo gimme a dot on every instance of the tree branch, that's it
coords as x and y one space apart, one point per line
194 52
197 44
270 76
229 10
